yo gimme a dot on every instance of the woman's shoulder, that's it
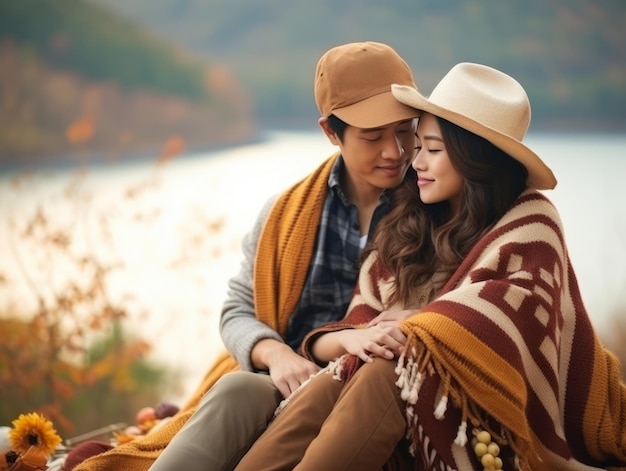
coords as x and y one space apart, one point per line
535 202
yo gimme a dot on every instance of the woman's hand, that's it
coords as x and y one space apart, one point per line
391 318
366 343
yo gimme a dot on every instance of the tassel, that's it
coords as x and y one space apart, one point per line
414 373
440 411
409 412
335 367
400 364
413 383
413 395
415 389
461 436
412 448
401 378
405 391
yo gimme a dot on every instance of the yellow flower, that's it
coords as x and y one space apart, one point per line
33 430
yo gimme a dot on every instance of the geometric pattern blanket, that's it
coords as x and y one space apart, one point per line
510 338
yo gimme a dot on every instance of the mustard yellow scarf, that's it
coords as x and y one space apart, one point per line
284 253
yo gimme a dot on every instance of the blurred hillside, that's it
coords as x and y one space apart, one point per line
569 55
75 76
130 77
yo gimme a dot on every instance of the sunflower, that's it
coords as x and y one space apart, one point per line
33 430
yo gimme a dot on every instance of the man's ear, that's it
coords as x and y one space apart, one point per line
330 134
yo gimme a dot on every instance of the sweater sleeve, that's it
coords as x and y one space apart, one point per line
239 327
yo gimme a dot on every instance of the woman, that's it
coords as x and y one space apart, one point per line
467 333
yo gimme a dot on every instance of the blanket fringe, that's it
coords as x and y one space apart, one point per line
461 435
412 369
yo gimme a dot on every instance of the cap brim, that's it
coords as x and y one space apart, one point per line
539 174
378 110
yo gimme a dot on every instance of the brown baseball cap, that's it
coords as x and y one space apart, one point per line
353 82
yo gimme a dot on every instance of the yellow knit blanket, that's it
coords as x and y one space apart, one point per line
284 253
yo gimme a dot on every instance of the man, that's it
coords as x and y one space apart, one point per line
300 266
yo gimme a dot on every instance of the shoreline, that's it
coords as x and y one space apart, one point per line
98 159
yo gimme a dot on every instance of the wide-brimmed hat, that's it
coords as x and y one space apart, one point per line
353 82
488 103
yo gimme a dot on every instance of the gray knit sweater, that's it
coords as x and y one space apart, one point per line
239 327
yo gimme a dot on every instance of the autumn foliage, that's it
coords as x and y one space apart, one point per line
47 112
80 131
65 352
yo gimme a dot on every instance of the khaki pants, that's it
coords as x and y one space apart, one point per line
229 418
333 426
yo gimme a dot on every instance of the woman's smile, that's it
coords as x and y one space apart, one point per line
421 181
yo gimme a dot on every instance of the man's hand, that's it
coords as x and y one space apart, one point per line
287 369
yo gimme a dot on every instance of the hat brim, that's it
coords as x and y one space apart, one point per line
375 111
539 174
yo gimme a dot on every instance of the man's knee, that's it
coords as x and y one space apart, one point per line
380 369
242 388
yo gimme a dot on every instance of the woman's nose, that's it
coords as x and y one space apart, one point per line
417 162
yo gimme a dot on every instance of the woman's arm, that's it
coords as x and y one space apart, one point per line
364 342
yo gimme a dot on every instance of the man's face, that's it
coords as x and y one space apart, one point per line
379 157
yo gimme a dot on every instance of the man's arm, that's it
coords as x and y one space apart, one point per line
239 327
255 345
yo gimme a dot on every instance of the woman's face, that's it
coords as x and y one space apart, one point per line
437 179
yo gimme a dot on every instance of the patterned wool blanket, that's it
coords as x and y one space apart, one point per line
511 340
284 253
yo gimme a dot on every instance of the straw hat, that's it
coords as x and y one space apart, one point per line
353 82
488 103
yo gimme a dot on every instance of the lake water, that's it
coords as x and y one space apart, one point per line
176 229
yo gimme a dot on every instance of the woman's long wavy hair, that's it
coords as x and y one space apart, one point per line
415 240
